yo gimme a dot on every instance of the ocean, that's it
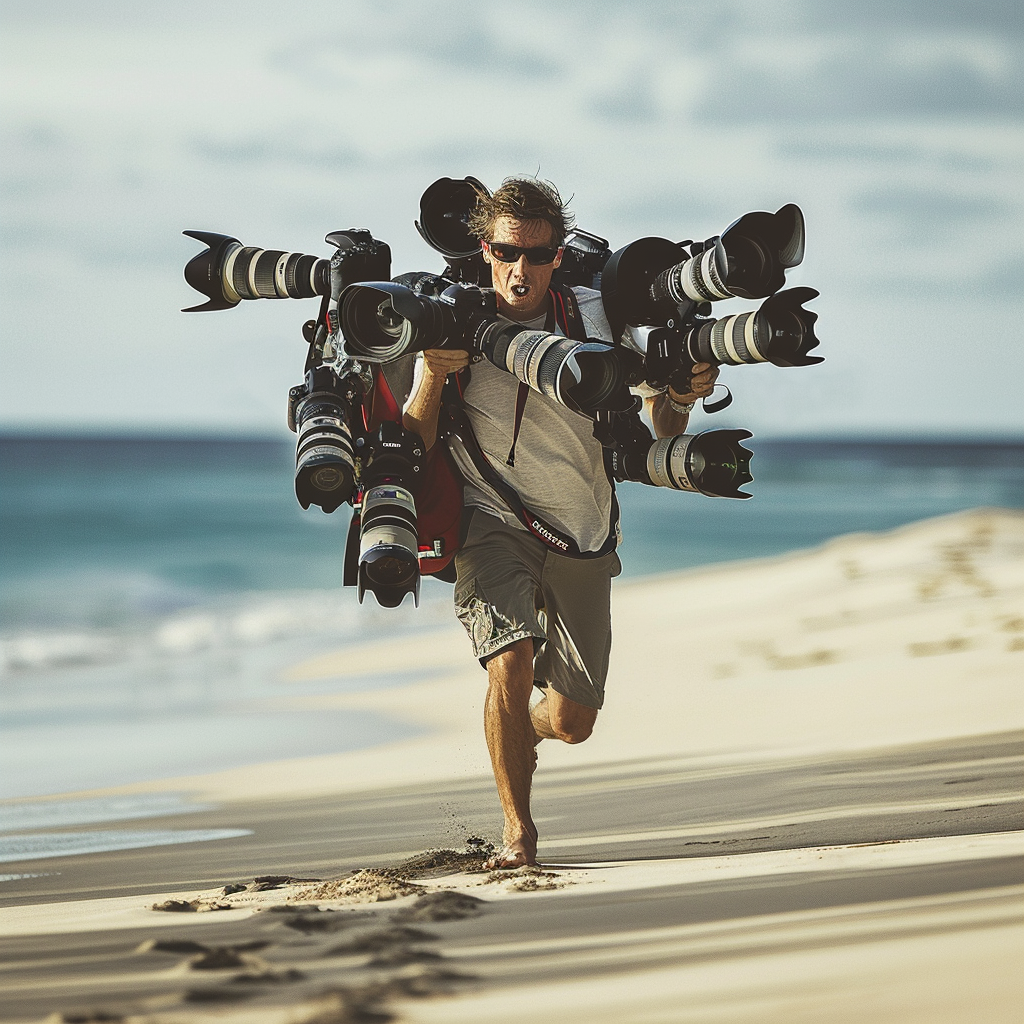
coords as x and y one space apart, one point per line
153 589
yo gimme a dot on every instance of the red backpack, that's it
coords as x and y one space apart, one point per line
438 492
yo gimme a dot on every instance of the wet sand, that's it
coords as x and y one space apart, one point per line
803 803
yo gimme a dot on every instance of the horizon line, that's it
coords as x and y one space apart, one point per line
207 436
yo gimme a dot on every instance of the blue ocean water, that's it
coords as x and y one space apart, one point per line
152 590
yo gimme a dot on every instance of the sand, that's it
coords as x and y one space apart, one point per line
802 803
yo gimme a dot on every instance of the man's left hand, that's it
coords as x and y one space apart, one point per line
702 383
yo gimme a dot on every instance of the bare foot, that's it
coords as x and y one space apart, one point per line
515 854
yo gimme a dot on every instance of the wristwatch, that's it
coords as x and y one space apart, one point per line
684 408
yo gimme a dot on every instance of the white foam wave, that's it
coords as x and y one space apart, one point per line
225 623
55 649
74 844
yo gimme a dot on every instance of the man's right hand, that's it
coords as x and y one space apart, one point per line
425 402
439 362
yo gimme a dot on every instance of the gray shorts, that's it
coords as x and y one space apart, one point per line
510 586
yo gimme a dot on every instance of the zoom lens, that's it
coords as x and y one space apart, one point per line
388 545
712 463
583 376
383 320
388 536
324 461
700 278
646 283
227 272
251 273
779 332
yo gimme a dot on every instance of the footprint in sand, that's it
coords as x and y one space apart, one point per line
380 940
444 905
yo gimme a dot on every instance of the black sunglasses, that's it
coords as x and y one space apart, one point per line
536 256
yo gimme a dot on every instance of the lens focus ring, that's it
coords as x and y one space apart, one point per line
667 463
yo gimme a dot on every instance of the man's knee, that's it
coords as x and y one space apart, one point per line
571 722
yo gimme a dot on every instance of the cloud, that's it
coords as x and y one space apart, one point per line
895 126
999 281
858 78
633 102
929 210
1000 17
807 145
440 37
275 148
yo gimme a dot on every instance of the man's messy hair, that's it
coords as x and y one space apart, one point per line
523 199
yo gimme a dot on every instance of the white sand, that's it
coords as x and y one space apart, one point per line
869 641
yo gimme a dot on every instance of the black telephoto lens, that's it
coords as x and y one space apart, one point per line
324 462
750 260
646 282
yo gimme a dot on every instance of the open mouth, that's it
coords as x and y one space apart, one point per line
520 290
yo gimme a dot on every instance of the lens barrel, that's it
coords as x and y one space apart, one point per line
698 279
712 463
324 460
388 533
227 272
733 340
251 273
646 282
582 376
388 545
780 331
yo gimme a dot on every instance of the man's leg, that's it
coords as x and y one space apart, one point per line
511 741
512 735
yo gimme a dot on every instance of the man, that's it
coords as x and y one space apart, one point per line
535 616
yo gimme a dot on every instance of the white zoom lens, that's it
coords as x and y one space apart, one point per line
737 339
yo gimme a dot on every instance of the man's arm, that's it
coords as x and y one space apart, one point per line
667 421
425 402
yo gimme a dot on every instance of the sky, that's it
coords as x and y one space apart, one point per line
895 126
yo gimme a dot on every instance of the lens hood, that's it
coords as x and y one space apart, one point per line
444 211
761 247
204 272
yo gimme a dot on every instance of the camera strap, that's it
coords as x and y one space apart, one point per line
567 316
564 313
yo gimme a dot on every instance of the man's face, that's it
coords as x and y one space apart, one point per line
522 288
